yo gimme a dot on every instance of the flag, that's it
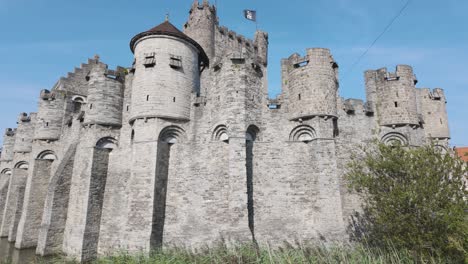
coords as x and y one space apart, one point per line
250 15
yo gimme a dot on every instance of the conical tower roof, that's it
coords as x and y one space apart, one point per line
167 29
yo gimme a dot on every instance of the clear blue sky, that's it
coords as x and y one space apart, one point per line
42 40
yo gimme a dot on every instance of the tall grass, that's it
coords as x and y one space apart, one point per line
250 254
289 254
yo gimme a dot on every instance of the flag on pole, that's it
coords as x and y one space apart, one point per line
250 15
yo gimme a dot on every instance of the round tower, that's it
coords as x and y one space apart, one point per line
24 133
433 109
313 84
8 145
201 26
105 96
49 116
398 104
167 71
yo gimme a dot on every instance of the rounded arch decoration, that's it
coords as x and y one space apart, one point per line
302 133
22 165
252 133
107 143
172 135
78 99
393 138
47 155
6 172
220 133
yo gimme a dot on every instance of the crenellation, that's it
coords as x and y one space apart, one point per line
185 148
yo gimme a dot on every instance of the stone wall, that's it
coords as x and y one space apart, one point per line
147 157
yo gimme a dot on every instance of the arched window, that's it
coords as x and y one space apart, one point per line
47 155
107 143
22 165
6 172
78 101
168 137
302 133
220 134
394 138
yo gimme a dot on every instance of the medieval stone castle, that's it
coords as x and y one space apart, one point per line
185 147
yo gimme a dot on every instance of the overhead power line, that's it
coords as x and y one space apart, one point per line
378 37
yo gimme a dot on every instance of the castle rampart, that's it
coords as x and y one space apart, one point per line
184 148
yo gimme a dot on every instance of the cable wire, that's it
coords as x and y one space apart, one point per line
378 37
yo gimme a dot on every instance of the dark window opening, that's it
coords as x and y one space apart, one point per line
90 106
299 97
147 98
336 130
274 106
441 121
150 60
76 107
175 62
128 108
132 137
396 104
173 99
301 64
47 124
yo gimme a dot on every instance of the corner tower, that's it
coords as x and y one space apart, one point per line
394 95
312 84
201 26
167 71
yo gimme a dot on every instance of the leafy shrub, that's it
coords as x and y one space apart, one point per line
414 199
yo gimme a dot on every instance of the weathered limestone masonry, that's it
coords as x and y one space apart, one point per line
185 148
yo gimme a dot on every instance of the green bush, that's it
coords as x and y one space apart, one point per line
414 199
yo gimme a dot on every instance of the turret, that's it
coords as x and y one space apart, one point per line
167 72
434 113
261 42
8 144
105 96
50 115
25 133
312 84
201 26
394 95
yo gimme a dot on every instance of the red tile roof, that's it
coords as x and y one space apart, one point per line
462 153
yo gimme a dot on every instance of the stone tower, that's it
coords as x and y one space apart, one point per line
201 26
167 72
166 76
432 104
105 96
394 95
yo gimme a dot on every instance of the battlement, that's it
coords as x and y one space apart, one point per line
10 132
402 73
47 95
237 39
24 117
205 4
316 56
436 94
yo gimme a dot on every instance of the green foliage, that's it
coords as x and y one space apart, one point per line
249 254
252 254
414 199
